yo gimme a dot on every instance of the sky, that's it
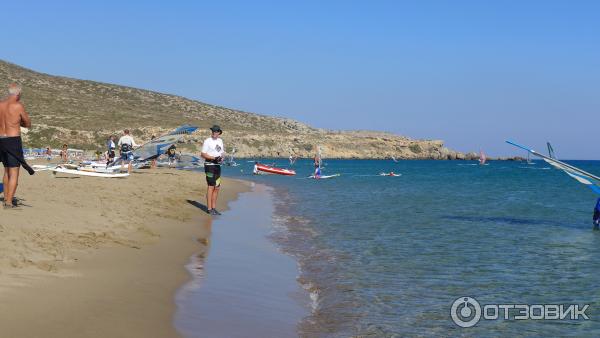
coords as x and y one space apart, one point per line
471 73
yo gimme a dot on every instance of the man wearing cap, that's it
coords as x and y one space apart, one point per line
213 151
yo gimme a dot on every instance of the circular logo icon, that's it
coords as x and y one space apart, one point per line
465 312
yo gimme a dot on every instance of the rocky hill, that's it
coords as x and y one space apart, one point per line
83 113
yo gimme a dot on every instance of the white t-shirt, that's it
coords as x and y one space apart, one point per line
212 147
127 139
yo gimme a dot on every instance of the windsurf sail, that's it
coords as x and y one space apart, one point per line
154 148
394 159
550 150
584 177
482 157
231 159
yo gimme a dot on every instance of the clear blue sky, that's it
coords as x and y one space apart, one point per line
472 73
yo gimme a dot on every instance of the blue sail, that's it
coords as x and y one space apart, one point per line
590 180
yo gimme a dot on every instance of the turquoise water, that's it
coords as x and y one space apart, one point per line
387 256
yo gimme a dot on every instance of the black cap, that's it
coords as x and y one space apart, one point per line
216 128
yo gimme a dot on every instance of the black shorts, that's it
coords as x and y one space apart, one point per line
213 175
111 153
9 148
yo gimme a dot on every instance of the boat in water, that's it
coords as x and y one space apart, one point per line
274 170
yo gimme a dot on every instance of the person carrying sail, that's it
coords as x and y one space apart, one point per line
126 145
12 117
213 151
597 215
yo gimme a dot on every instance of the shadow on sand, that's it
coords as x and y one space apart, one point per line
198 205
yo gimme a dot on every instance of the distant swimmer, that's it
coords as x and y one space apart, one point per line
12 117
597 215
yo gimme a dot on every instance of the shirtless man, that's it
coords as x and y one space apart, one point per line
12 117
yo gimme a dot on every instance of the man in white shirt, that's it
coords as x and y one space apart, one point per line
126 145
213 152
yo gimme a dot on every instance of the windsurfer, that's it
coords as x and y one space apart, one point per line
317 163
597 215
213 151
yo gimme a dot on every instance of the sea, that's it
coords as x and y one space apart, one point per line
385 256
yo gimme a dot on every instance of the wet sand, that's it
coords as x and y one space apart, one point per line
96 257
243 286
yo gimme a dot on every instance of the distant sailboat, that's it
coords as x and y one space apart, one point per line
231 159
482 157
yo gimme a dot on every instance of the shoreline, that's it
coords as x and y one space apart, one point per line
242 276
77 260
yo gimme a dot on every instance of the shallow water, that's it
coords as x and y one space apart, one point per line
242 285
386 256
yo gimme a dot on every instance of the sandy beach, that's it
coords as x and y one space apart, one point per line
89 257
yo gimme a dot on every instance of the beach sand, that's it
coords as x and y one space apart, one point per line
97 257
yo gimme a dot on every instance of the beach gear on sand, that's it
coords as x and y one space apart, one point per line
87 173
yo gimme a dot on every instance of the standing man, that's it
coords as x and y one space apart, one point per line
12 117
213 151
126 144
